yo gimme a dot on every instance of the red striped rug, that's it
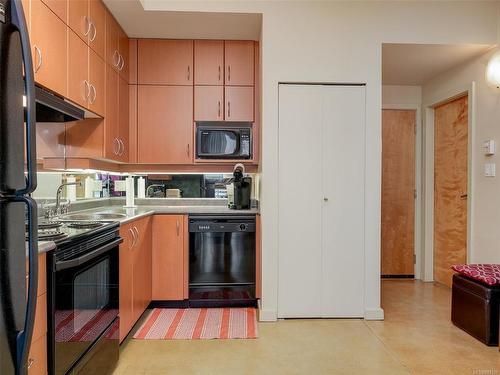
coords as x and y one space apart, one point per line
192 324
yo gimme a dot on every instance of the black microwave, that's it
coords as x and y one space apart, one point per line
223 140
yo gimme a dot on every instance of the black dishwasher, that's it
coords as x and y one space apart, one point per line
221 260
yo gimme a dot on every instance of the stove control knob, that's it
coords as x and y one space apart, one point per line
243 226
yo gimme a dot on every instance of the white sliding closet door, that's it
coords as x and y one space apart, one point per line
343 212
321 201
300 160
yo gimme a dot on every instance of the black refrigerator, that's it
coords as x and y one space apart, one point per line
18 282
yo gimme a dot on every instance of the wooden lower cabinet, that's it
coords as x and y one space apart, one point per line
170 257
135 272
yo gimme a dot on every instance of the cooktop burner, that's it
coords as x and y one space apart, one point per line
48 224
51 235
84 224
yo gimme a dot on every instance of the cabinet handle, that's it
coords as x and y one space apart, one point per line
87 90
138 235
94 94
122 146
218 113
115 64
31 361
94 34
178 228
89 25
229 73
189 73
188 150
219 73
121 63
116 144
133 238
40 60
228 109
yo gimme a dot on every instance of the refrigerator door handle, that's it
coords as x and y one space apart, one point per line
19 21
24 337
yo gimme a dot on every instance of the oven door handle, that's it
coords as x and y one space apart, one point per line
65 264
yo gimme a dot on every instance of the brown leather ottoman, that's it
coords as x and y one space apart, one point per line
475 308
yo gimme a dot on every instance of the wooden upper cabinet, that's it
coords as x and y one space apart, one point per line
209 62
97 79
97 33
169 266
239 62
78 71
239 103
111 138
208 103
49 48
112 41
165 62
132 69
59 7
78 18
123 49
123 119
165 124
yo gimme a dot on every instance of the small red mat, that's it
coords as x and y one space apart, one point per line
485 273
192 324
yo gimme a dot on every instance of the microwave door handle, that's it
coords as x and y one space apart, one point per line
19 21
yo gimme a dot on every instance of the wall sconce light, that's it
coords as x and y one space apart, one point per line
493 71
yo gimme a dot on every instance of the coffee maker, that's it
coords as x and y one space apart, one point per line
239 191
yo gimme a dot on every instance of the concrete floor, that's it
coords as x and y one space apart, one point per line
417 337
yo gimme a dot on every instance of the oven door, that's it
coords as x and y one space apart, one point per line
84 304
217 143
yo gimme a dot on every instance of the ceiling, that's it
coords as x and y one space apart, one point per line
139 23
415 64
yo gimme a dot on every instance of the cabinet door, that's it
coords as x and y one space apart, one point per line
165 62
78 71
142 267
123 119
208 103
168 257
78 18
112 38
59 7
97 79
239 63
209 62
111 143
126 279
123 49
97 34
49 48
165 124
239 103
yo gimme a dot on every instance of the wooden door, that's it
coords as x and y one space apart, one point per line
123 119
398 192
165 62
450 187
112 41
165 124
208 103
123 49
239 105
111 142
97 34
59 7
49 48
168 257
78 71
209 62
97 78
78 18
142 267
239 62
299 279
126 279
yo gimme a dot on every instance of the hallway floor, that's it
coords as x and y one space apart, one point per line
417 337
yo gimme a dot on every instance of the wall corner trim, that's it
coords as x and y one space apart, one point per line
268 315
374 313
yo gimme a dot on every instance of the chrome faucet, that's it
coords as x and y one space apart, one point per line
58 210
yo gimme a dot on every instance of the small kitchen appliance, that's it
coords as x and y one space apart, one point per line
224 140
239 191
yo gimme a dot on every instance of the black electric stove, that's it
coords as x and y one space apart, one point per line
83 296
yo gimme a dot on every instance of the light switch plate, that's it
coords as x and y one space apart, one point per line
489 147
489 169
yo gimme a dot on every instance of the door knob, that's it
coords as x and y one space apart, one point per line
325 199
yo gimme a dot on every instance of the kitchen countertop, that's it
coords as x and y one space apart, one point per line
43 247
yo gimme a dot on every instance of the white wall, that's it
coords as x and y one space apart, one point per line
340 42
484 243
401 96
